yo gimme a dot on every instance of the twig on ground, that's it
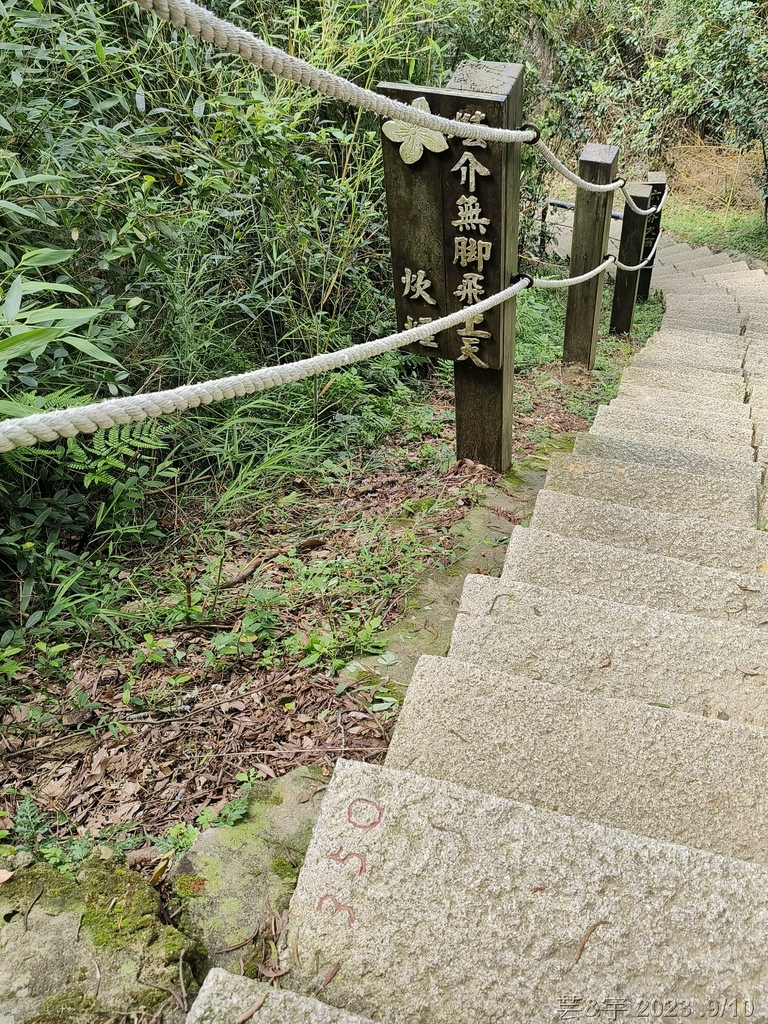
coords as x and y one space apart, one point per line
25 918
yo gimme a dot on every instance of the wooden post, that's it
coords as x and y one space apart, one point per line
631 248
658 182
591 230
453 224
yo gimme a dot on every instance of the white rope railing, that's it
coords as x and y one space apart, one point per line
85 419
639 209
569 282
646 261
24 431
199 21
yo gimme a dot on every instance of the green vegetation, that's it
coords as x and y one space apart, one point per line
735 230
169 214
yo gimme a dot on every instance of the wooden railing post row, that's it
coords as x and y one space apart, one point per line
591 231
658 182
631 249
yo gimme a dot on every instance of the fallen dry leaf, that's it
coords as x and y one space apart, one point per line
6 876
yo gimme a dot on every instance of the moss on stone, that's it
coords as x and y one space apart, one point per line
69 1008
118 904
57 888
189 886
284 869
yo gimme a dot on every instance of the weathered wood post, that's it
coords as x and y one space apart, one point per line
658 182
631 248
591 230
453 222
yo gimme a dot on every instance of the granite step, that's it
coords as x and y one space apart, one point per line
728 325
701 383
667 659
225 998
436 903
657 773
670 402
702 339
740 428
726 267
670 454
670 355
610 429
735 549
596 569
652 487
698 260
720 435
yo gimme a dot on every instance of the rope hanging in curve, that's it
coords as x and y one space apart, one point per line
199 21
25 431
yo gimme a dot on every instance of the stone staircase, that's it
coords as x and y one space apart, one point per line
572 822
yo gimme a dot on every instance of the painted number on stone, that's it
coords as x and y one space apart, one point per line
340 858
364 814
337 906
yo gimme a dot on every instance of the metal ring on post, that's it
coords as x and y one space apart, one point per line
529 126
522 277
619 182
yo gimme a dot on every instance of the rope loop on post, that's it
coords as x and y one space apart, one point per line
531 127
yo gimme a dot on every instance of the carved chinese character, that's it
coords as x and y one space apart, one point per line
467 251
469 215
470 289
472 117
429 341
471 337
470 167
416 285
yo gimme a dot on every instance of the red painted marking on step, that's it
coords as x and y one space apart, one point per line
337 907
358 811
339 859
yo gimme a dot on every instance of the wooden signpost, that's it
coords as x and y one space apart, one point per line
453 223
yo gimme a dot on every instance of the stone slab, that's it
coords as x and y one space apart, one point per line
479 910
683 662
731 440
225 997
697 261
736 549
657 773
686 414
713 301
612 431
671 356
611 573
655 488
701 339
719 305
726 267
698 382
241 869
758 396
726 325
669 454
671 402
